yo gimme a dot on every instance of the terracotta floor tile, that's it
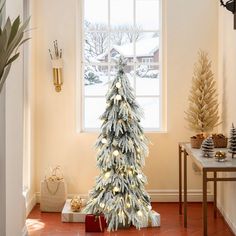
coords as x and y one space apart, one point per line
49 224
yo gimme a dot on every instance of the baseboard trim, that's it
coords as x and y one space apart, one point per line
165 195
226 217
30 204
25 231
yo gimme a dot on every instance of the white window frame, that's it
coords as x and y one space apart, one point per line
80 71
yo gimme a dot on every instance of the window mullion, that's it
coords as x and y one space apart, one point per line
134 44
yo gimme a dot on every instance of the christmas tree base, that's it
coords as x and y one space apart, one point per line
124 226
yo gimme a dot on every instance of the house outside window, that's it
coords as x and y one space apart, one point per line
127 28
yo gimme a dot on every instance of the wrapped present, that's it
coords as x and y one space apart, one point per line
53 191
154 220
68 215
95 223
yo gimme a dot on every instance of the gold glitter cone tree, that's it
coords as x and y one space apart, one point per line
119 192
202 114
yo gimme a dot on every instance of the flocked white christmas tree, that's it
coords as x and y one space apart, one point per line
119 192
232 141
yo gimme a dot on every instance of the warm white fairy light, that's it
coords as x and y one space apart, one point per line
141 137
95 199
104 140
139 176
139 213
118 84
116 189
128 205
130 172
116 153
149 207
138 150
118 97
107 175
102 205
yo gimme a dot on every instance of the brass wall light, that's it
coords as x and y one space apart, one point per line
57 66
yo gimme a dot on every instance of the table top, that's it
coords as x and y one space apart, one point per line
210 163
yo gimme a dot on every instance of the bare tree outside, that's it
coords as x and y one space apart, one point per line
97 39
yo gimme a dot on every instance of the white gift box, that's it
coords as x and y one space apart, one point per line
154 220
53 195
68 215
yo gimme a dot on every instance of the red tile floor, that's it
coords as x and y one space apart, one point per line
49 224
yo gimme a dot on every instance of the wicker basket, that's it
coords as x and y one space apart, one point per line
220 142
196 142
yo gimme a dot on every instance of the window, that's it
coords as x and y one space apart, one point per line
149 61
128 28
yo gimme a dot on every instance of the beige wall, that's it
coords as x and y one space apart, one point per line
227 76
190 25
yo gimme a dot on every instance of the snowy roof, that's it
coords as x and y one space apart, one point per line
144 48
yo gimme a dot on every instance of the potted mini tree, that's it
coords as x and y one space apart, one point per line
11 38
202 114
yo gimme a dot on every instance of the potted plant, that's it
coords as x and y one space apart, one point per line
11 38
202 114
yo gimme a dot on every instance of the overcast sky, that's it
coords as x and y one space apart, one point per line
147 12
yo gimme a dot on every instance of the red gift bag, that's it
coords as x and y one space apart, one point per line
95 223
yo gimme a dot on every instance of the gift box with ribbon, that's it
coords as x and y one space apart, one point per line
95 223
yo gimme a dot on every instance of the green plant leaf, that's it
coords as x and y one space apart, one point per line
4 77
13 58
14 29
1 11
7 27
3 40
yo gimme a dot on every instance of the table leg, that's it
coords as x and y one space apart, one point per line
204 203
215 194
180 180
185 188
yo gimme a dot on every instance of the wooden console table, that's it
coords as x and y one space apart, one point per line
206 165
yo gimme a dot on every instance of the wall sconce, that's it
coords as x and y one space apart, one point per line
230 6
57 65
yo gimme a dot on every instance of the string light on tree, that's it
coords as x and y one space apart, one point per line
107 175
118 97
104 141
118 84
139 213
140 176
116 153
116 189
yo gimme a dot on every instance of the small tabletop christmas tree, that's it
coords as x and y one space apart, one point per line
119 192
208 147
232 141
202 114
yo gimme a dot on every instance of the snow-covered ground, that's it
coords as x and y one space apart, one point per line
144 86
